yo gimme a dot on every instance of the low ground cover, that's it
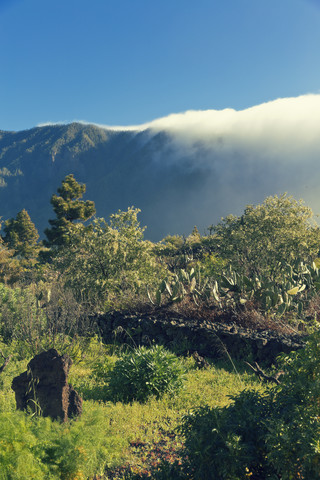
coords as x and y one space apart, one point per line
115 440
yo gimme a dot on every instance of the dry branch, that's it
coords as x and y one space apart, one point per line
260 373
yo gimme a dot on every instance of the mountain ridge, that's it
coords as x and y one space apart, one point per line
189 171
113 163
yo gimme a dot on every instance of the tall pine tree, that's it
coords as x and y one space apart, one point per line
21 235
69 208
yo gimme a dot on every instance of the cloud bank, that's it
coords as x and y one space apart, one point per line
215 162
264 150
287 128
244 155
195 167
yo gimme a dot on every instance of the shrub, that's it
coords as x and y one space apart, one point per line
38 448
228 443
145 372
293 439
35 319
267 236
20 316
271 435
109 264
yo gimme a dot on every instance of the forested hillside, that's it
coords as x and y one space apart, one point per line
177 181
119 169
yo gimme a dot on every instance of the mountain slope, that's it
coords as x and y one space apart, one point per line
119 168
179 176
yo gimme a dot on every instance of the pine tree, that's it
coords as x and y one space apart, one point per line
8 266
69 208
21 234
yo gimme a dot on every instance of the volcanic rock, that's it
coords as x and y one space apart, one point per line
44 389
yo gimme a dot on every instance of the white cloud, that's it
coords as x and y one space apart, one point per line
123 128
232 158
285 130
115 128
288 128
267 149
48 124
277 141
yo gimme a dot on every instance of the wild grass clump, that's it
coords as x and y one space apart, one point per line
146 372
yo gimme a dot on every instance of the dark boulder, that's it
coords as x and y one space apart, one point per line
43 388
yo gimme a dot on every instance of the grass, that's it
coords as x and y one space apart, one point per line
111 439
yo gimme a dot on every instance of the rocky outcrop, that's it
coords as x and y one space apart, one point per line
43 388
209 339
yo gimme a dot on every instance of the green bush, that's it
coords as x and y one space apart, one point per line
20 316
34 319
228 443
145 372
109 264
36 448
267 236
293 440
272 435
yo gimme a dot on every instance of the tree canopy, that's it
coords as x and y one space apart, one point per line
21 234
69 208
109 259
268 236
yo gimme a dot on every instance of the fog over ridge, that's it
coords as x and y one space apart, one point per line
264 150
195 167
287 127
245 155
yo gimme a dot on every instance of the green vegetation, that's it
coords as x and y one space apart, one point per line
110 436
148 413
7 266
21 235
273 434
68 208
268 236
109 264
145 372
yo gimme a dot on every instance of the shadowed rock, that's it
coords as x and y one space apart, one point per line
44 387
210 339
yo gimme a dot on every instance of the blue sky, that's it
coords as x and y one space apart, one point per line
127 62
